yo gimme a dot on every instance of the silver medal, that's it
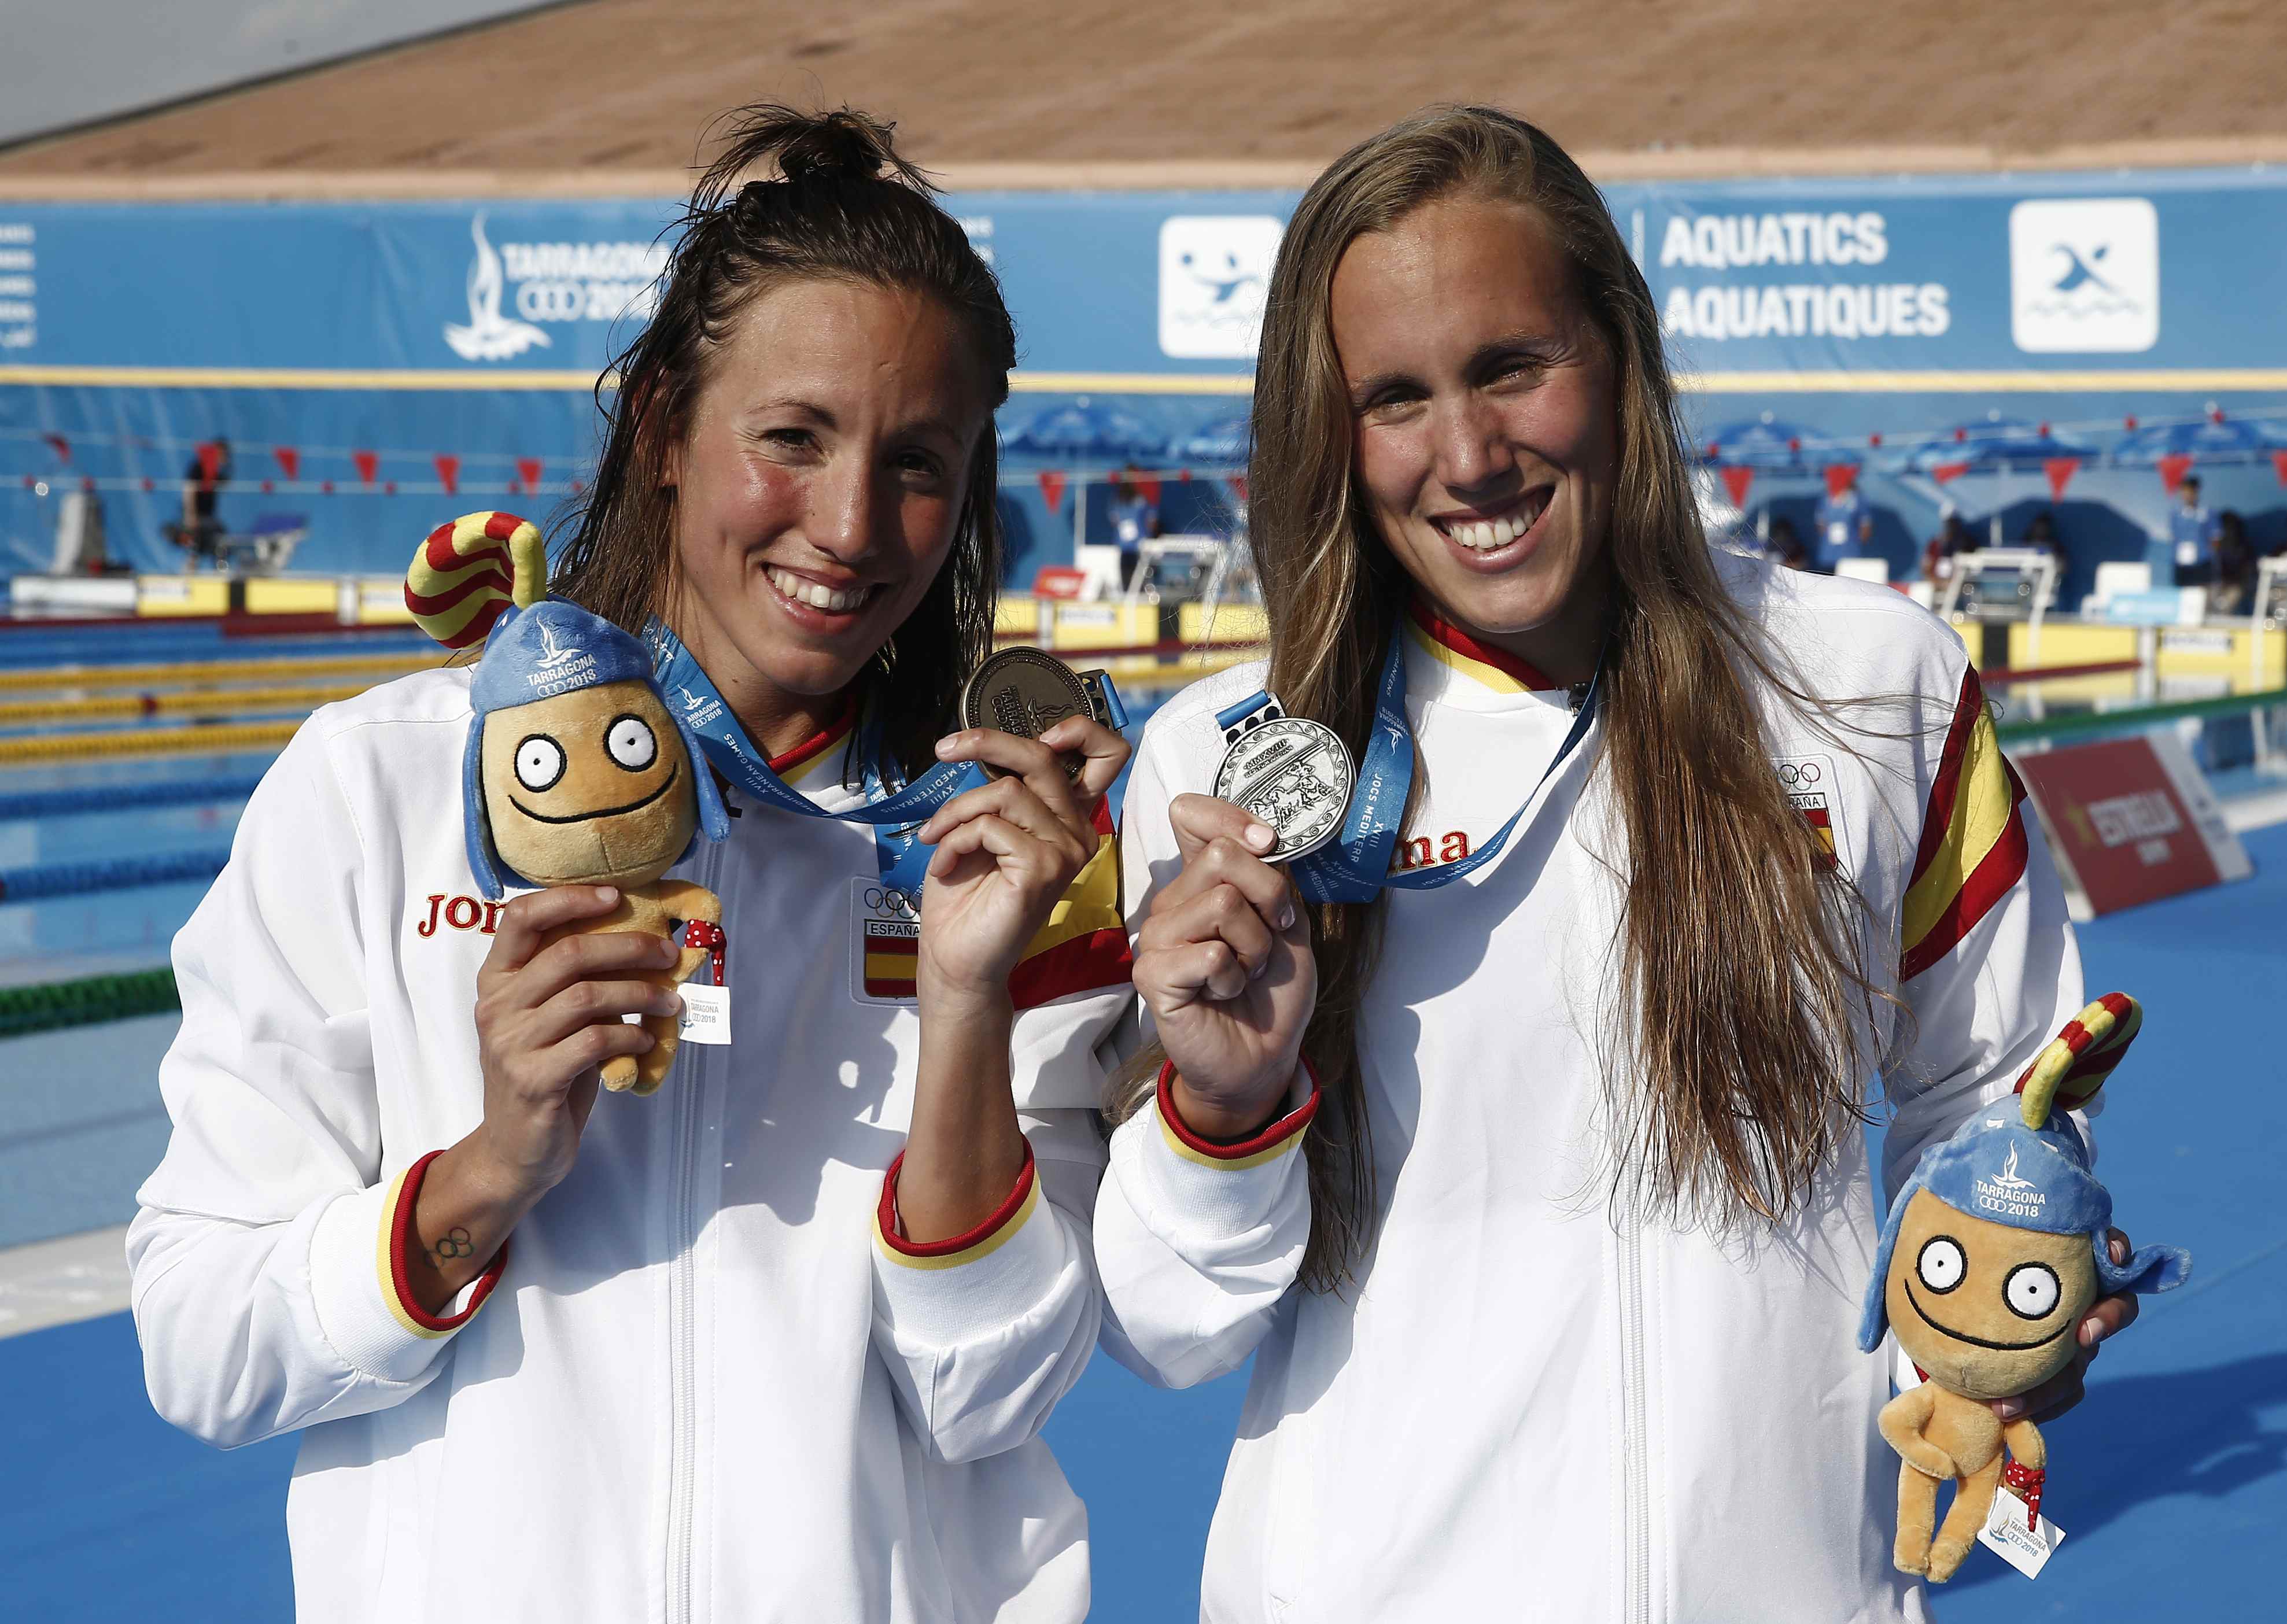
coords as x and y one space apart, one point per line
1293 773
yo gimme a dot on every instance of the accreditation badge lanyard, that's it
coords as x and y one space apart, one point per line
895 812
1355 865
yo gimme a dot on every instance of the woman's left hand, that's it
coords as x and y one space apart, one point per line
2107 1317
1008 850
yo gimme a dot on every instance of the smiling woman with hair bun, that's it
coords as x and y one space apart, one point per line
777 1341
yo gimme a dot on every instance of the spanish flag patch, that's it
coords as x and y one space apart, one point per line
891 949
1808 781
1083 945
1973 847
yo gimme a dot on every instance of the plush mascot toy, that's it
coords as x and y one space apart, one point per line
1991 1257
576 773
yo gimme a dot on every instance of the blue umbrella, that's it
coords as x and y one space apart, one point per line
1997 444
1223 441
1765 442
1081 430
2234 439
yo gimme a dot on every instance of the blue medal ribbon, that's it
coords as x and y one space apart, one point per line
895 811
1355 866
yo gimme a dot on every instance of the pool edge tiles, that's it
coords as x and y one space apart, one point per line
63 1281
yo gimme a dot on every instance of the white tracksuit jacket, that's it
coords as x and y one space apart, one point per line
704 1391
1533 1405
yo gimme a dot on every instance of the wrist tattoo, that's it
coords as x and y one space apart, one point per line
452 1245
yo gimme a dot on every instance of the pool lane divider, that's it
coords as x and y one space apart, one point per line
39 882
2007 674
198 702
120 797
2083 724
183 673
86 1001
204 738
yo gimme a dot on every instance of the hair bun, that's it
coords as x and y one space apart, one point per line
838 145
836 148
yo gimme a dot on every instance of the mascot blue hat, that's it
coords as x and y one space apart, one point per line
2022 1163
486 573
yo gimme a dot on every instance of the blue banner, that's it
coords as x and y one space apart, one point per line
367 339
2052 273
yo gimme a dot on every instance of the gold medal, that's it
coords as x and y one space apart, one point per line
1025 691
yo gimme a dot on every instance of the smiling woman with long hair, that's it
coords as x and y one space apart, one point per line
778 1341
1522 1147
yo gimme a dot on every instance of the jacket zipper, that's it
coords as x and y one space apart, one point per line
1636 1465
682 1430
682 1283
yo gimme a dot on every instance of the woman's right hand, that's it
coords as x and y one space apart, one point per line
548 1017
1224 963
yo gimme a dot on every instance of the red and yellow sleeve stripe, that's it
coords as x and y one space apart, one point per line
1278 1139
397 1234
1084 944
1974 846
988 1237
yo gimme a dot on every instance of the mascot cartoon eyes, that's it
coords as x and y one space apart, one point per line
2031 1291
539 759
632 743
1942 1263
539 763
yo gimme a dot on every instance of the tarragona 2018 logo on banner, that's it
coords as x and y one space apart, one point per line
517 291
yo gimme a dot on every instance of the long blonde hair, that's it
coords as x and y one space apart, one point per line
1740 983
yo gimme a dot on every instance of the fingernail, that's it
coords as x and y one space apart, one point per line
608 893
1256 973
675 1008
1260 838
944 746
1286 916
2092 1331
2009 1409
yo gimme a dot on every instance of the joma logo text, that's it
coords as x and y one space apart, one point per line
460 914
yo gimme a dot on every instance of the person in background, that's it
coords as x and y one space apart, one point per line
1784 544
1135 520
1953 538
200 533
2235 566
2041 532
1846 527
2041 536
2190 540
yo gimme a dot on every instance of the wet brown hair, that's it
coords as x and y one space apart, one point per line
1738 981
793 195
